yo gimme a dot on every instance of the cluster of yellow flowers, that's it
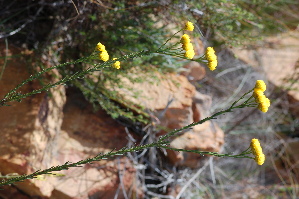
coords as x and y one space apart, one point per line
257 151
260 98
185 40
116 64
187 46
212 58
103 55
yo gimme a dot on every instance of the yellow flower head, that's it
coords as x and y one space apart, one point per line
260 159
189 26
263 107
185 39
189 54
257 92
104 55
210 54
100 47
212 65
187 46
212 58
260 98
210 50
116 64
257 151
260 84
267 102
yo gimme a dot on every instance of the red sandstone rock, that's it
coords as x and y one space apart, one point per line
203 137
194 71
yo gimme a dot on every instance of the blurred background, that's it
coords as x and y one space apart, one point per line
149 96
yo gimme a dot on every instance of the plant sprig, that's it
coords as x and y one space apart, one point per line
162 142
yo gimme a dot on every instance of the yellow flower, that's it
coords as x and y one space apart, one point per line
185 39
267 102
189 54
263 107
104 55
100 47
210 54
189 26
116 64
212 65
260 84
187 46
257 92
212 58
260 159
257 151
210 50
260 98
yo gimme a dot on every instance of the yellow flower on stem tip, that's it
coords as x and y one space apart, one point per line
189 54
257 151
116 64
104 55
260 98
210 54
185 39
263 107
257 92
260 159
267 102
100 47
264 103
189 26
212 65
187 46
212 58
260 84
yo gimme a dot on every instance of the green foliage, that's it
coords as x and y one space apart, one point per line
239 22
130 34
129 26
122 30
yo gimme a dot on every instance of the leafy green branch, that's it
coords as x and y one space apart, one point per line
162 142
13 95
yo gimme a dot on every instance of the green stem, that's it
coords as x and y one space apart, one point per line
241 155
209 118
68 165
169 39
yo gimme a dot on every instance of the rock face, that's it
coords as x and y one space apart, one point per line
203 137
194 71
87 134
18 124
